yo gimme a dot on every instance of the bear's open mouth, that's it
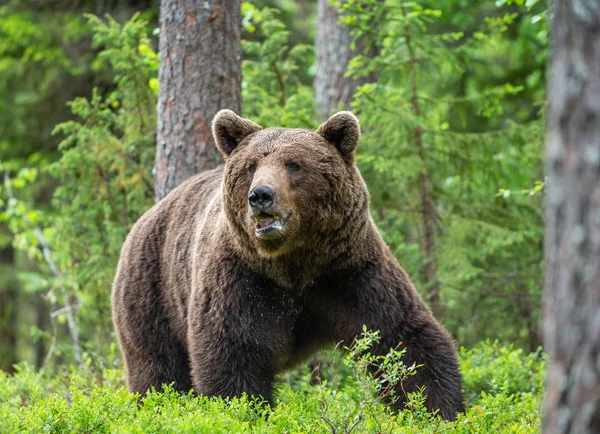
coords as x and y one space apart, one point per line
266 223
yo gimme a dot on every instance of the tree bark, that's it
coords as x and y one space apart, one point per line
332 88
200 73
572 244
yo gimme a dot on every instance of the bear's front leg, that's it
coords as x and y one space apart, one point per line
239 334
379 295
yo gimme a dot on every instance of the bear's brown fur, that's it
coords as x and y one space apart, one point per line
246 270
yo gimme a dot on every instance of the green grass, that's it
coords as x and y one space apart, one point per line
503 390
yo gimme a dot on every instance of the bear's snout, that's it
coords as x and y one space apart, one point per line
261 198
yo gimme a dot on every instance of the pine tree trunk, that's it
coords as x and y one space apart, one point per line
332 89
572 245
200 73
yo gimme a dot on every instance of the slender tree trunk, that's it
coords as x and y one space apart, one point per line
8 329
572 245
333 90
527 306
427 207
8 312
200 73
41 314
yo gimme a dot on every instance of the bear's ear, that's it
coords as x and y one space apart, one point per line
343 131
229 130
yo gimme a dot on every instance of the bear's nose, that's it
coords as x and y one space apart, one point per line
261 197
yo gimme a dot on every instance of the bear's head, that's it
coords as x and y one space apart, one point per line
286 187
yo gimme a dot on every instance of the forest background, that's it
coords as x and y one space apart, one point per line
451 99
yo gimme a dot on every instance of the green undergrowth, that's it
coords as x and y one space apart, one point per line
502 385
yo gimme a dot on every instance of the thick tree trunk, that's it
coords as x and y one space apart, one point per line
572 245
332 89
200 73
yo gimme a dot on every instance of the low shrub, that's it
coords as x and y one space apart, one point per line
502 385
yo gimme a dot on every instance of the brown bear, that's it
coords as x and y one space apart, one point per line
245 271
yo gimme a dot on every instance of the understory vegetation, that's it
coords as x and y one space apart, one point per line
503 388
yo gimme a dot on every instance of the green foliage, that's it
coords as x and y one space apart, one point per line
272 91
355 396
35 68
455 115
76 401
105 170
390 371
105 183
494 369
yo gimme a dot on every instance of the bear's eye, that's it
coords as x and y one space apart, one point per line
251 167
293 166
